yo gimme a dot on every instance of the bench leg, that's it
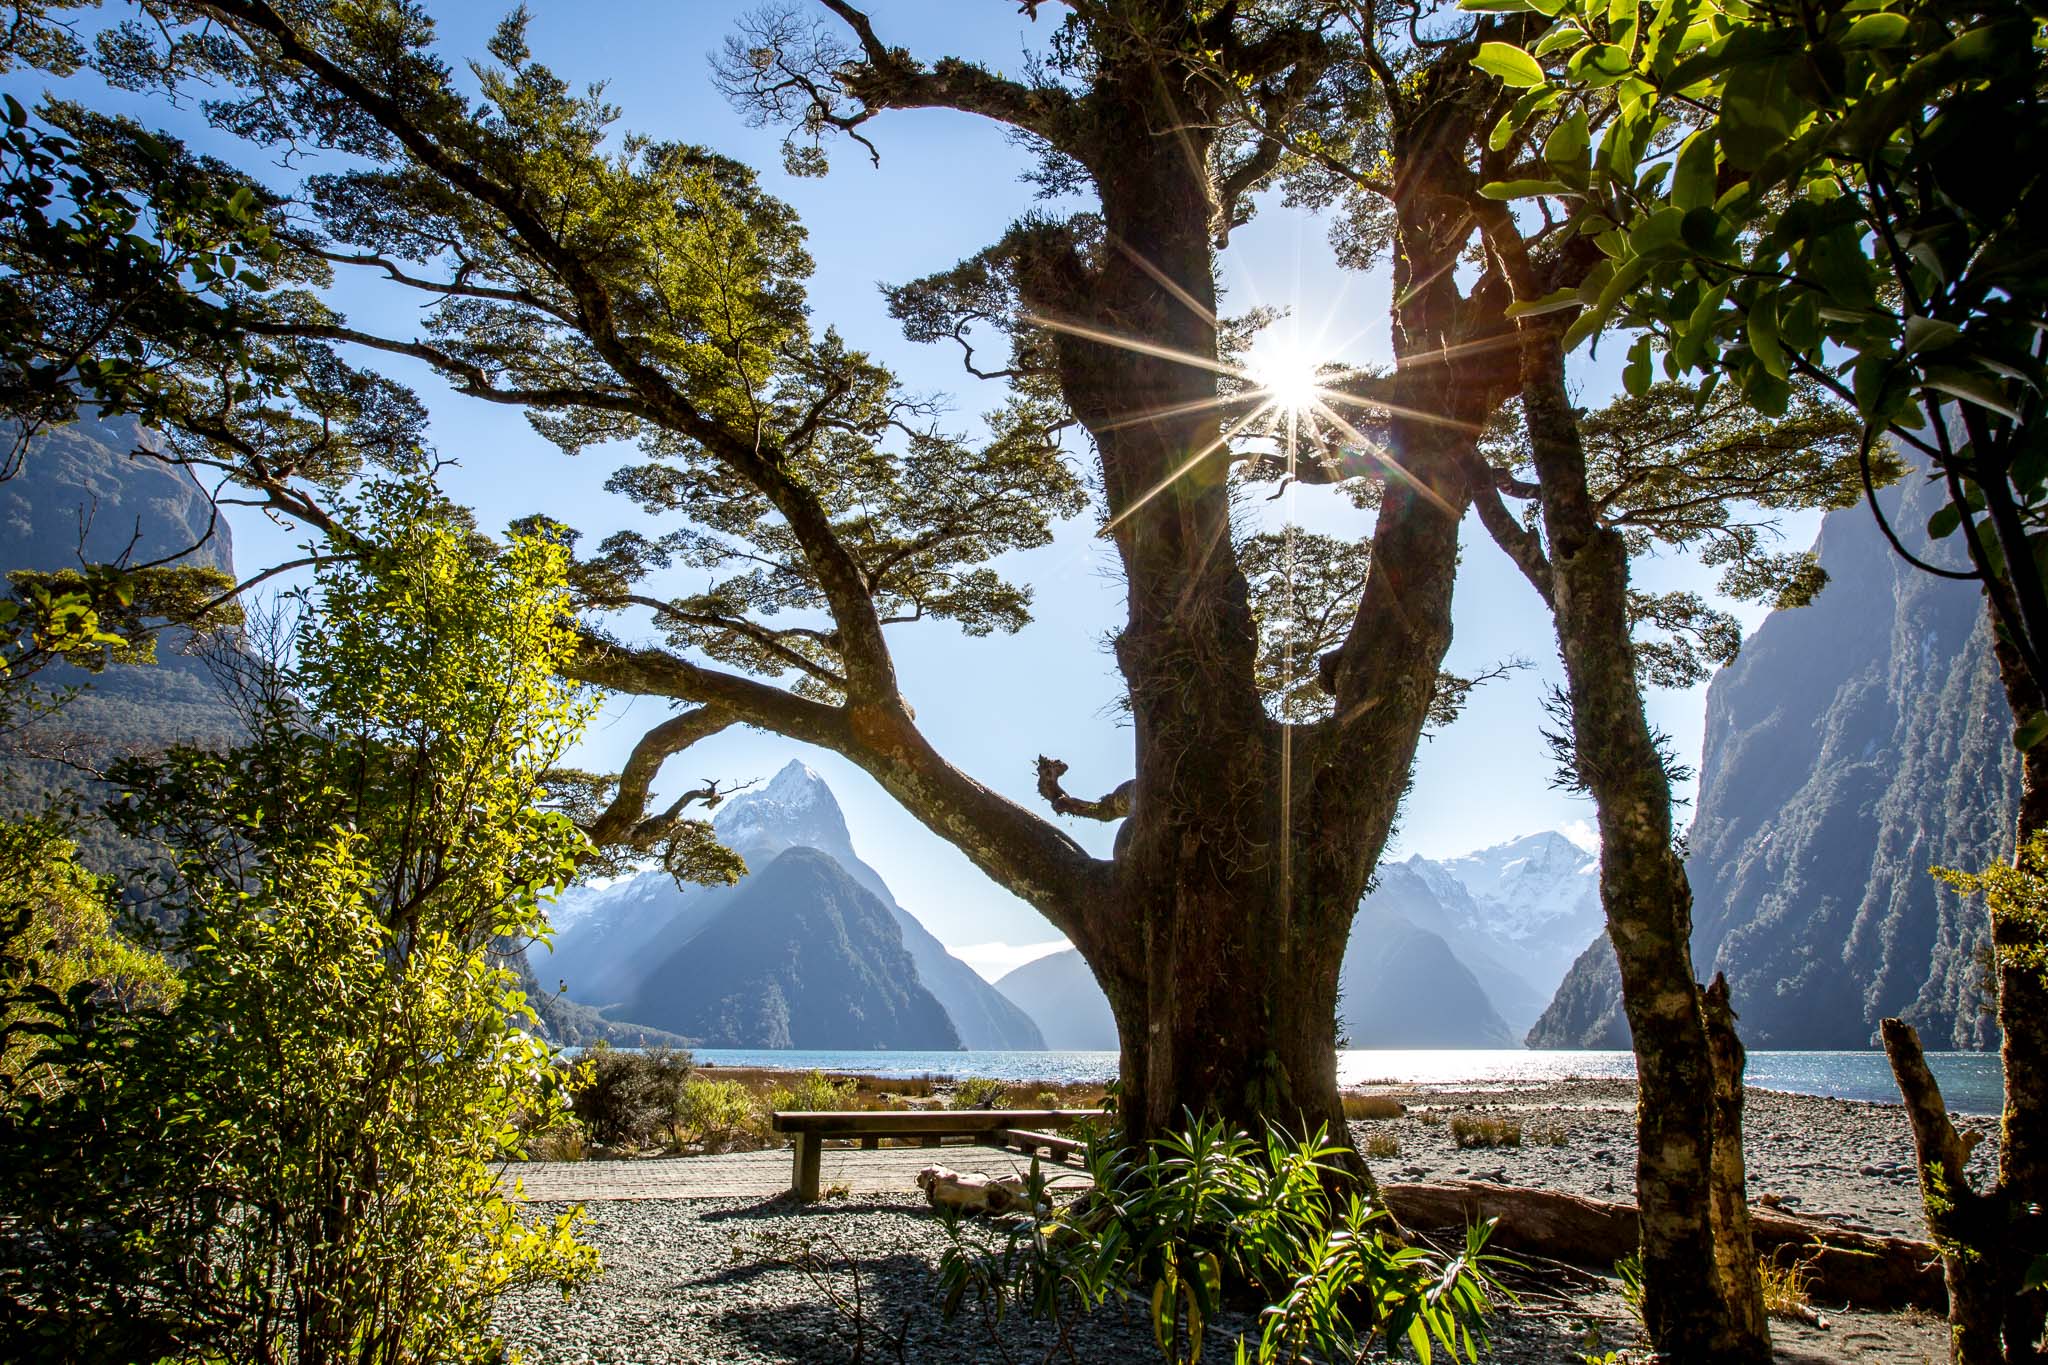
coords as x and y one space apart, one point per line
869 1144
931 1141
804 1177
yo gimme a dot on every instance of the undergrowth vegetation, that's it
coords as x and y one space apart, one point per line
1208 1223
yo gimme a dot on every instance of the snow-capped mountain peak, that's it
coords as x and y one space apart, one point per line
796 808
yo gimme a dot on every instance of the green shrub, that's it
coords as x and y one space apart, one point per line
715 1113
1206 1218
813 1091
626 1098
980 1092
297 1159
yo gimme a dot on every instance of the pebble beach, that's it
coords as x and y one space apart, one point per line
756 1279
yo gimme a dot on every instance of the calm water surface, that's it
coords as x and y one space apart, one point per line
1970 1081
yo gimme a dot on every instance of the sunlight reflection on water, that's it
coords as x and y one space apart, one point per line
1969 1080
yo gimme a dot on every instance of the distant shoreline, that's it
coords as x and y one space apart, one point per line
1971 1082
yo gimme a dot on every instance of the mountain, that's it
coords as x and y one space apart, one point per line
608 939
1404 987
82 494
802 956
1853 744
1517 914
1060 995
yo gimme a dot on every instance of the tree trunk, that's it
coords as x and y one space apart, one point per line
1735 1259
1697 1303
1248 841
1990 1238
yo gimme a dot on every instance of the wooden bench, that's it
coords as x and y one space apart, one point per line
994 1127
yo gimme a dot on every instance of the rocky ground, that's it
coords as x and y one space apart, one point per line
752 1280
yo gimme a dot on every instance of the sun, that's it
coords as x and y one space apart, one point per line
1286 376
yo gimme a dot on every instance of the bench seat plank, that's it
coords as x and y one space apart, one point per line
925 1122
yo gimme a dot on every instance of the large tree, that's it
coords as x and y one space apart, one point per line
619 287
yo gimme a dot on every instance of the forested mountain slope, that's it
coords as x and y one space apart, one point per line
1854 743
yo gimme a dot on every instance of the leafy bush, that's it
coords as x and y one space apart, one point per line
980 1092
813 1091
1208 1217
715 1113
625 1098
1471 1130
297 1159
57 935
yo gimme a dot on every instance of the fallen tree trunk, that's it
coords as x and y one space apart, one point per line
1861 1269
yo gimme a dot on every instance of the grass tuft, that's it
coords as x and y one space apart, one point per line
1383 1145
1470 1130
1785 1288
1373 1107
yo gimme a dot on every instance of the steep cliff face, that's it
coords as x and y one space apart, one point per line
82 496
1854 744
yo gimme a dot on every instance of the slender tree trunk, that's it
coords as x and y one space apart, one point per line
1735 1258
1697 1302
1989 1238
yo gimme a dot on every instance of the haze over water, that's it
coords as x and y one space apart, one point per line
1970 1081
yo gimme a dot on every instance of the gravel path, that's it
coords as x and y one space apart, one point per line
754 1279
887 1171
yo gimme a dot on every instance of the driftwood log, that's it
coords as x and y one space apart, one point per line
1861 1269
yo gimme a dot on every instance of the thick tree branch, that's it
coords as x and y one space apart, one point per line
625 821
1113 806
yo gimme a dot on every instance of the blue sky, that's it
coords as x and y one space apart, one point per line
947 186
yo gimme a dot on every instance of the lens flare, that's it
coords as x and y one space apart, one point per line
1287 375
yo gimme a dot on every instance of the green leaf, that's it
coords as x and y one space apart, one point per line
1567 297
1927 334
1876 30
1522 189
1972 386
1944 522
1692 182
1763 335
1594 318
1562 38
1566 146
1635 376
1509 64
2025 737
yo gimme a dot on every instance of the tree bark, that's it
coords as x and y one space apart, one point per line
1698 1302
1858 1268
1735 1258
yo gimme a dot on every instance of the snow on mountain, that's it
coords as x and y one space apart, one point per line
1515 914
1527 887
795 808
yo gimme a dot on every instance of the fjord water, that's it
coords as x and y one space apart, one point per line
1970 1081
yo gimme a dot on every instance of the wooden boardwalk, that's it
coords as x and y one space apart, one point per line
889 1171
